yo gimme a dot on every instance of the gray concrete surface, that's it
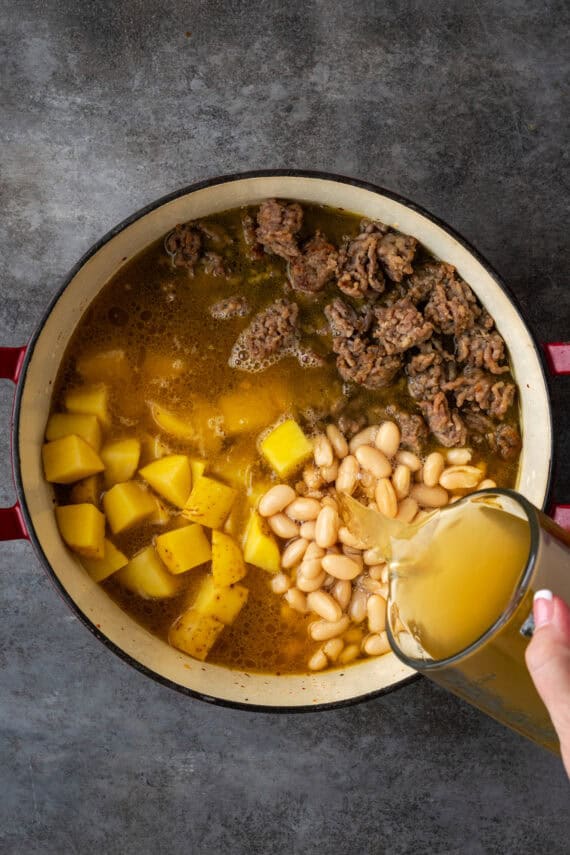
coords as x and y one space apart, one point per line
107 105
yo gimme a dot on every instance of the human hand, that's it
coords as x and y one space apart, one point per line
548 661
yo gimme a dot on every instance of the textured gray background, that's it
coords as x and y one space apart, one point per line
107 105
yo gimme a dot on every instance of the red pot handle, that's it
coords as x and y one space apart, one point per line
558 359
12 526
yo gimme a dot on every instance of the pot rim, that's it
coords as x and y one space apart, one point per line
139 214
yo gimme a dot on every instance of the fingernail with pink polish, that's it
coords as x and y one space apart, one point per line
543 608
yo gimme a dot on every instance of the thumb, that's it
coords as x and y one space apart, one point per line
548 661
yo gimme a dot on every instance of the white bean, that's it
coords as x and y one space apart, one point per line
296 600
314 551
363 437
293 553
283 526
386 498
349 654
409 459
357 607
376 644
280 583
432 469
487 484
324 605
318 661
333 648
376 610
374 555
303 509
323 451
337 441
341 567
460 477
388 438
376 571
307 529
342 592
276 499
330 502
401 480
312 477
308 585
374 461
310 568
429 497
373 586
329 473
407 509
322 630
459 455
348 538
347 475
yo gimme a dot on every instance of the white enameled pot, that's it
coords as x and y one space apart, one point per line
34 369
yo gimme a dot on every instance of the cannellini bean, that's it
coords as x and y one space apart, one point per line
407 509
363 437
330 502
329 473
460 477
293 552
326 529
487 484
429 497
388 438
348 538
342 592
322 630
314 551
276 499
433 467
323 451
349 654
307 530
329 582
312 477
367 483
324 605
386 498
374 555
280 583
376 610
409 459
283 526
318 661
341 567
401 480
376 571
386 574
308 585
373 586
333 648
296 600
357 607
459 455
347 475
376 644
374 461
337 440
303 509
310 568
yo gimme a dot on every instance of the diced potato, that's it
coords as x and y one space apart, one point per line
83 529
248 410
65 424
69 459
90 400
161 515
153 448
260 547
109 365
209 503
183 548
224 604
286 448
198 427
237 464
146 575
127 504
171 477
121 458
194 633
87 490
228 565
198 468
160 366
101 568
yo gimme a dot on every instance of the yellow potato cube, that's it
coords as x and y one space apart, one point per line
248 410
127 504
82 527
90 400
69 459
109 365
161 515
87 490
198 468
101 568
121 458
209 502
194 633
65 424
224 604
183 548
146 575
260 547
171 477
228 565
200 427
286 448
160 366
153 448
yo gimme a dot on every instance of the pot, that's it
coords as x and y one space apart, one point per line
34 369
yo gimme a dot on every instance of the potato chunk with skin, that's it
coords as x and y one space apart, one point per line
260 547
121 458
183 548
91 400
228 565
146 575
170 477
65 424
109 365
199 427
209 502
70 459
127 504
101 568
82 527
194 633
224 604
286 448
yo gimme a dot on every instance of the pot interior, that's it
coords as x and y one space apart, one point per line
46 353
